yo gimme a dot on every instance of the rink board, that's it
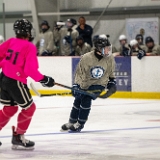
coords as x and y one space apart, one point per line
135 78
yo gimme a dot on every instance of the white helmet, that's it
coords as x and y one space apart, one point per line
133 42
1 39
122 37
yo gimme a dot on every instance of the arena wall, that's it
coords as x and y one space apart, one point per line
135 78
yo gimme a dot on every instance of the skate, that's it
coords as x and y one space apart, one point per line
77 127
20 143
0 143
66 127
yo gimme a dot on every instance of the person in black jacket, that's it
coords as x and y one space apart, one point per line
85 31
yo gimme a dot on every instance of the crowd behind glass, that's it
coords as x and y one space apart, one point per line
72 39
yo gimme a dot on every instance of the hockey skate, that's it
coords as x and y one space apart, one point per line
77 127
20 143
66 127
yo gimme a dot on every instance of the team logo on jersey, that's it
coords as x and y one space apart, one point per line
97 72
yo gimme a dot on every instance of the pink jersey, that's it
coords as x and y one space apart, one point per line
18 60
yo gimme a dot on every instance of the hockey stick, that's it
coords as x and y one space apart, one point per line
102 95
47 95
88 93
94 96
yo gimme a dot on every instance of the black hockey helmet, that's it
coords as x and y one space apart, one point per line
100 42
149 39
23 28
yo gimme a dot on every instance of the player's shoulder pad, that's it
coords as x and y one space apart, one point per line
31 45
10 39
111 57
88 55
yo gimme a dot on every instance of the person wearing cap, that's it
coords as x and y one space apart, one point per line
114 49
46 46
136 49
85 30
74 24
67 38
152 49
56 28
124 49
82 47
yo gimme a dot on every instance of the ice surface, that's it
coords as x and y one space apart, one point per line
117 129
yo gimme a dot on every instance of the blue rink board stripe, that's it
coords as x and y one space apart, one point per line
91 131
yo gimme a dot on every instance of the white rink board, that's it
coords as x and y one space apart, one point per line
146 74
57 67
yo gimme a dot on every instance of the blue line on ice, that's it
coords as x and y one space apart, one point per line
91 131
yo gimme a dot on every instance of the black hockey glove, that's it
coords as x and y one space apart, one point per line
141 54
111 87
126 51
47 81
46 53
68 39
74 88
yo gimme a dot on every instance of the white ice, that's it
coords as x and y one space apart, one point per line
117 129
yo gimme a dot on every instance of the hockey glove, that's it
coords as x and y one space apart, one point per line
74 88
47 81
46 53
111 87
68 39
126 51
141 54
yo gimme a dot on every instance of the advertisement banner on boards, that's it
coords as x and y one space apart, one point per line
122 72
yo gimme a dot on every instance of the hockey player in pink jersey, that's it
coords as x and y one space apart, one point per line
18 61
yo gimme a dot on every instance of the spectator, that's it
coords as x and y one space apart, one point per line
56 29
74 24
124 49
136 50
1 39
114 49
82 47
151 48
67 38
46 45
85 31
139 38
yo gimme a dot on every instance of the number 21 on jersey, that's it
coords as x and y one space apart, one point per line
11 54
